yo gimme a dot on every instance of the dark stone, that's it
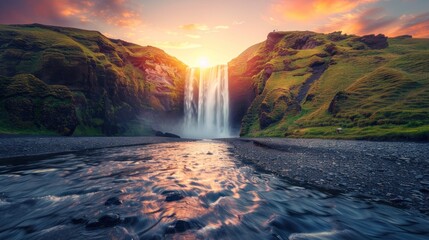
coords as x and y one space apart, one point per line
80 220
131 220
159 134
374 41
309 98
113 201
337 36
317 63
171 196
181 226
108 220
171 135
167 134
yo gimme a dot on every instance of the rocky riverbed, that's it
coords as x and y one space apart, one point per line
184 190
396 173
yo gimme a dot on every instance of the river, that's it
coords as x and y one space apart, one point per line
183 190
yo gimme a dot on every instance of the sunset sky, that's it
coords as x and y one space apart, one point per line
196 31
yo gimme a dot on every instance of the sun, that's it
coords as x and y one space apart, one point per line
203 62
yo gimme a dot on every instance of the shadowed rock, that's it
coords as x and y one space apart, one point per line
166 134
113 201
108 220
374 41
171 196
181 226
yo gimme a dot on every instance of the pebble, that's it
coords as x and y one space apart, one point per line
181 226
172 196
80 220
108 220
113 201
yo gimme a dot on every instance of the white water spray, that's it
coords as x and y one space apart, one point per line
207 103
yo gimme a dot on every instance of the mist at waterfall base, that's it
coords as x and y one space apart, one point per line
206 103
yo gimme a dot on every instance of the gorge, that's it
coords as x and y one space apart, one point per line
67 81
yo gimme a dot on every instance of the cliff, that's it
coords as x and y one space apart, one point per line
306 84
57 80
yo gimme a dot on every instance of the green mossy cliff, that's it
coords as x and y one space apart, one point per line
57 80
306 84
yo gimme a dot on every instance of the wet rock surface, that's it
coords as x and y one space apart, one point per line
171 196
113 201
392 172
108 220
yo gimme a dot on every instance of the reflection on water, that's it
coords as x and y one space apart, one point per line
191 190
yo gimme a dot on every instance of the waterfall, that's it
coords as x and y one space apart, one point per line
206 103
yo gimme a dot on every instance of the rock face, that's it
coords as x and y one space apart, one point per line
109 82
374 41
30 102
306 84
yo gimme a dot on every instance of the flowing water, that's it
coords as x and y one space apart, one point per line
187 190
206 103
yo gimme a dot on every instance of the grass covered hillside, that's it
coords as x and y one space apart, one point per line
307 84
56 80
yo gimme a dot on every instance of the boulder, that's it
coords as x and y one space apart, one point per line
166 134
113 201
374 41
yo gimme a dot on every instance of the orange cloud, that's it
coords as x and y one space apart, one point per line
375 20
69 12
194 27
416 25
313 9
368 21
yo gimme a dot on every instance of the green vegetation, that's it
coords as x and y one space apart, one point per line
103 84
370 92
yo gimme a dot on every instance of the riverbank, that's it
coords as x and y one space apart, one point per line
26 146
396 173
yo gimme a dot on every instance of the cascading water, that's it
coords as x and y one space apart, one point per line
206 103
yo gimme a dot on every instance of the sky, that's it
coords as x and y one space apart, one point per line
205 32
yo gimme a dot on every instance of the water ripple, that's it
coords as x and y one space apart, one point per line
180 191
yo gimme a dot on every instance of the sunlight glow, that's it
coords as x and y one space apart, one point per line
203 62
